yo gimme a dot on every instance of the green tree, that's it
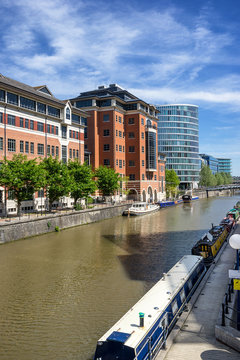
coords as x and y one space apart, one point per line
82 183
23 177
58 179
206 176
108 181
219 179
172 181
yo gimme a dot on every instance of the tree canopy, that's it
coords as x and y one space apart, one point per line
172 181
108 180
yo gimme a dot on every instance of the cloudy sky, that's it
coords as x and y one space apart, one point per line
164 51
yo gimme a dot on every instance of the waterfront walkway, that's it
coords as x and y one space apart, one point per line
194 336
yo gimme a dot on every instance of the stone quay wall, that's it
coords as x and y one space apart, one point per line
16 230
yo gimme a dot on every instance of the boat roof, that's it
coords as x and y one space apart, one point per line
152 304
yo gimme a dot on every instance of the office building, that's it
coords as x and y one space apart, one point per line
178 139
211 162
121 133
225 165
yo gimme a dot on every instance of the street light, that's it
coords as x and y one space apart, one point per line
234 242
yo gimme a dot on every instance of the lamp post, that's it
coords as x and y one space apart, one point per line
234 242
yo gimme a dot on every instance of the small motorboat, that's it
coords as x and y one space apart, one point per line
141 208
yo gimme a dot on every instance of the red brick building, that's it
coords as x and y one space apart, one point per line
35 123
121 132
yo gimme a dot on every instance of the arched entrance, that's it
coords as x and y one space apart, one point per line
133 195
150 194
155 196
144 198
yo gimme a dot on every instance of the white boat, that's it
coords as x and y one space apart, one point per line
141 208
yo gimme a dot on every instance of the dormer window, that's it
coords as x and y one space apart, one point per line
67 113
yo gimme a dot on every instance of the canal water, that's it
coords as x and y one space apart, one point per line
61 291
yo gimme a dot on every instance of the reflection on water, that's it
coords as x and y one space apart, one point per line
60 292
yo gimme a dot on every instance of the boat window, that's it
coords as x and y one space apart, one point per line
189 284
174 307
182 295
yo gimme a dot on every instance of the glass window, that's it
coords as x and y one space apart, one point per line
131 163
120 164
131 176
131 149
48 149
12 98
142 135
57 151
56 130
26 147
21 146
142 149
32 148
52 129
120 148
70 153
41 108
40 149
120 133
142 162
40 126
26 123
83 103
106 147
52 111
120 119
64 154
31 124
1 117
106 117
106 132
74 153
131 135
116 147
1 143
75 119
64 132
21 122
68 113
142 176
53 150
131 121
2 95
48 129
27 103
11 145
11 120
106 162
142 121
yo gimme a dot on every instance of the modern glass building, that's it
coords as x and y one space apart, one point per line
210 161
178 139
224 165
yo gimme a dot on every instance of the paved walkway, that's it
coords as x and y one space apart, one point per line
196 337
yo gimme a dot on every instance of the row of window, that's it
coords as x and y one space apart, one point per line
29 147
131 149
176 119
73 154
180 148
178 142
177 131
176 136
183 167
74 134
182 161
177 125
27 103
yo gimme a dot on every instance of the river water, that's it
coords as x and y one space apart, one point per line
61 291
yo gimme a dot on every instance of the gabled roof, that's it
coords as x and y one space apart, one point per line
44 89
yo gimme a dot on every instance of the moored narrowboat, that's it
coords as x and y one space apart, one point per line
187 198
228 223
233 213
141 333
237 206
210 243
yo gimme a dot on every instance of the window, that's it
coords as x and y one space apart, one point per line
120 148
83 103
123 163
106 147
56 130
131 163
41 108
67 113
120 133
142 149
40 149
142 121
21 146
116 118
64 154
40 126
116 147
155 177
142 135
120 164
131 176
1 118
53 150
27 103
41 193
32 148
26 123
105 117
11 195
70 153
131 121
64 132
74 153
26 147
77 154
1 143
117 162
52 129
106 132
116 133
12 98
2 95
57 151
48 129
120 119
11 145
48 149
31 124
106 162
52 111
142 176
11 120
131 135
85 133
142 162
21 122
131 149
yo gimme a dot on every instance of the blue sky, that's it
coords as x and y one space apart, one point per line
164 51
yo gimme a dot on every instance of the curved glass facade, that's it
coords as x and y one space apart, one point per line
178 139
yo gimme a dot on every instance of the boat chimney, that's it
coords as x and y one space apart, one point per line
141 318
212 225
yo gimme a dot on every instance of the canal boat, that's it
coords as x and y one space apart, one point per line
168 203
141 208
210 243
187 198
237 206
233 213
228 223
141 333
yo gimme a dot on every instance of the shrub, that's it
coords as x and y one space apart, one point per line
57 228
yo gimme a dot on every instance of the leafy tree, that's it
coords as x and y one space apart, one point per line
172 181
205 176
82 183
21 176
107 180
219 179
58 179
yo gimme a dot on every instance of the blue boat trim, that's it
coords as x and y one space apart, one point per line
119 336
